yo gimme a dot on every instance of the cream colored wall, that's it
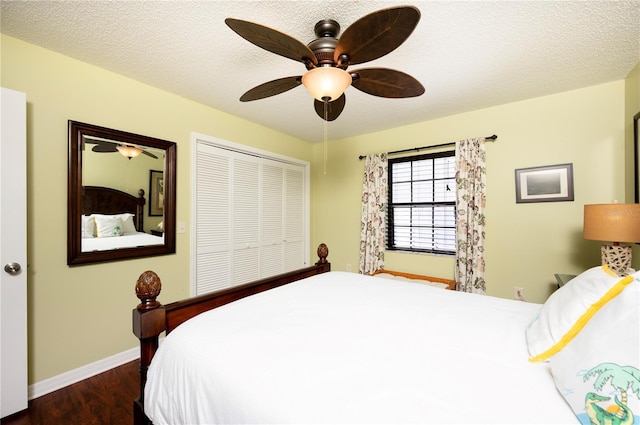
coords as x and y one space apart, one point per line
526 243
81 314
632 107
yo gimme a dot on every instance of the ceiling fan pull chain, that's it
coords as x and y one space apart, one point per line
326 120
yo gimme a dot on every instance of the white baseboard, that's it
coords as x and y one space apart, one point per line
87 371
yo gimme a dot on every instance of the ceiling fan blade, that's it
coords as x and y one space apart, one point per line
271 88
149 154
334 108
110 147
377 34
384 82
272 40
104 147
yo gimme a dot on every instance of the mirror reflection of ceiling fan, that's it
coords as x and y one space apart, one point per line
327 58
128 150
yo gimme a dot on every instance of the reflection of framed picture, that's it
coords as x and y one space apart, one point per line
156 193
552 183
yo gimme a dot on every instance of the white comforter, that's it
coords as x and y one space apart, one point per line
345 348
130 240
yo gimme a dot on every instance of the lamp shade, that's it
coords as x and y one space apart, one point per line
612 222
129 151
326 81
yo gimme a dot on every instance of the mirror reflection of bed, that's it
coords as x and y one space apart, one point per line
108 168
136 175
112 219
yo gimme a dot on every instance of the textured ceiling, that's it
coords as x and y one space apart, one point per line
468 55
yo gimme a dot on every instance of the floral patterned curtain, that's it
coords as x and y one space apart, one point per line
373 222
470 218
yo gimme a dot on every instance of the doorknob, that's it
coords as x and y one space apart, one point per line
12 268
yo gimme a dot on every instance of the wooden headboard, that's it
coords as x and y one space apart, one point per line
104 200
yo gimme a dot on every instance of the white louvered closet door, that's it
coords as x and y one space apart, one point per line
250 218
245 217
272 219
212 220
294 218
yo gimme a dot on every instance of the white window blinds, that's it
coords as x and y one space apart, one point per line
250 218
422 195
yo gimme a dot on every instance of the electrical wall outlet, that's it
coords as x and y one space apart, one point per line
518 293
348 267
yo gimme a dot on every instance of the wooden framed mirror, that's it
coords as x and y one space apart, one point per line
121 195
636 153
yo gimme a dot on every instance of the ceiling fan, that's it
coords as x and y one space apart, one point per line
369 38
107 146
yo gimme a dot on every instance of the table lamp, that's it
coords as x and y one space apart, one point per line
613 223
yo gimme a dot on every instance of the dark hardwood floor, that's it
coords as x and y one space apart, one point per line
104 399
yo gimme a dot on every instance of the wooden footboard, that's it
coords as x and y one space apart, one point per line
150 318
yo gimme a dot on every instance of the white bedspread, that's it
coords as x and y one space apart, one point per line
345 348
130 240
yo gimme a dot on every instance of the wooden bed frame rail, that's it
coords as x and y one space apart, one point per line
451 284
150 318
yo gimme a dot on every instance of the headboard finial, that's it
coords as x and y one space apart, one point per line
148 288
323 252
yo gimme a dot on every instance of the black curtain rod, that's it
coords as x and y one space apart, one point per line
361 157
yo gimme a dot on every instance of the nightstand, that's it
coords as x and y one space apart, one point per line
157 232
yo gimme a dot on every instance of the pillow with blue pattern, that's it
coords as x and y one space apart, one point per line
598 372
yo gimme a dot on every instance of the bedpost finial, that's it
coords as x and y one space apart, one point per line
147 290
323 252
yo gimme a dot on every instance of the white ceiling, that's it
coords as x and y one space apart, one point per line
467 54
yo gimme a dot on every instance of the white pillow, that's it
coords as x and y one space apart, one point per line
429 283
127 223
108 225
126 219
88 226
598 373
569 308
402 278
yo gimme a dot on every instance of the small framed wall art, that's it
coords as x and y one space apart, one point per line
552 183
156 193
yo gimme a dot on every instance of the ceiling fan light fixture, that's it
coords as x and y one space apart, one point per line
326 81
129 151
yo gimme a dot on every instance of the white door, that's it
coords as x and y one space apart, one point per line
13 252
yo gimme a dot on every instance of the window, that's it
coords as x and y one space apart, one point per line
422 203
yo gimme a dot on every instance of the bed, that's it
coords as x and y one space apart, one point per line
112 219
316 346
